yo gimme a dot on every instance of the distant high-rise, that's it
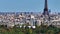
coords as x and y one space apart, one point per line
46 12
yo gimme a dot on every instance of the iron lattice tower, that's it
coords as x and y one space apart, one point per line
46 12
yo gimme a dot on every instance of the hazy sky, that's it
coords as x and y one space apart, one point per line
28 5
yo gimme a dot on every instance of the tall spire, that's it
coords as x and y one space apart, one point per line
46 9
46 6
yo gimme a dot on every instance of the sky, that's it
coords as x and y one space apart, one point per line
28 5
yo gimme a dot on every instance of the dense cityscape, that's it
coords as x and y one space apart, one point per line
30 22
33 19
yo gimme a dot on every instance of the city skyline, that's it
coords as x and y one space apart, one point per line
28 5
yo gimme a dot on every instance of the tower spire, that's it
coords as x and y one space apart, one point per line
46 6
46 9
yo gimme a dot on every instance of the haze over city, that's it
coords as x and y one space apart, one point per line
28 5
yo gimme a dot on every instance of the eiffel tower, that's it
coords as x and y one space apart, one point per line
46 12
